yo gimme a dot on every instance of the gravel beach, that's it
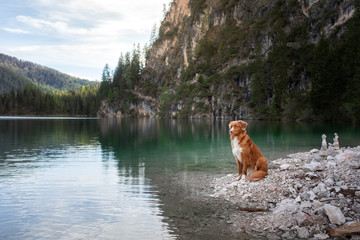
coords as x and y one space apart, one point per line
304 196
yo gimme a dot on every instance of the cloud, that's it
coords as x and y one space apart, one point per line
74 58
15 30
74 54
81 33
57 26
91 21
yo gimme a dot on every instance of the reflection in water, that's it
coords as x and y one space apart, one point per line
56 182
165 145
176 144
111 178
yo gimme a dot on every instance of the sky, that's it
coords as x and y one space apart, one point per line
77 37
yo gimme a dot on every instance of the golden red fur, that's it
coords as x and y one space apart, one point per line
248 157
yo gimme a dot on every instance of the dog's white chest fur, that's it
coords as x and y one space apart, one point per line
237 149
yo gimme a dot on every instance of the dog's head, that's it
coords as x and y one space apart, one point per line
237 127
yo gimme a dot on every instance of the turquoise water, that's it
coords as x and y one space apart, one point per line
74 178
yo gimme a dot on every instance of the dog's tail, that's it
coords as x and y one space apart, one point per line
258 175
262 170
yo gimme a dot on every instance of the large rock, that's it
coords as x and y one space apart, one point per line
334 214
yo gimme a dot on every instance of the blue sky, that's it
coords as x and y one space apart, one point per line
77 37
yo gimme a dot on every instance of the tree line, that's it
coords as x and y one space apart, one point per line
30 100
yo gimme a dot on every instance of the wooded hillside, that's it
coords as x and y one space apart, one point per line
14 73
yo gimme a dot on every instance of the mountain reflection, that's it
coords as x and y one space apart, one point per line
160 145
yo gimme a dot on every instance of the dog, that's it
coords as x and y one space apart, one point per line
251 163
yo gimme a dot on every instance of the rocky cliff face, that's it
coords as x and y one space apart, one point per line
145 107
239 59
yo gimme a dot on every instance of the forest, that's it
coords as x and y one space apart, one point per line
27 88
30 100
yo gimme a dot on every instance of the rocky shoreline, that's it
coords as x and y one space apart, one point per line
302 197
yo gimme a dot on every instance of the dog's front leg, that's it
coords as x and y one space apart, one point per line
240 167
245 155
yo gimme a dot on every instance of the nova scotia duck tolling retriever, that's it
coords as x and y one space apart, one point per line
251 163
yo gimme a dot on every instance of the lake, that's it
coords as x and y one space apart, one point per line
83 178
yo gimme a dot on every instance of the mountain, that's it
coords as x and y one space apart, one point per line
10 80
15 73
274 59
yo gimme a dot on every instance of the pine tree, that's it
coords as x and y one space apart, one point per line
105 81
127 75
106 75
153 35
119 73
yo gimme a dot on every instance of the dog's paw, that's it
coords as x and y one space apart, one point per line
243 178
240 178
237 179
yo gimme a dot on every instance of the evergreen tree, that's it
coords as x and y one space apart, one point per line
127 75
106 75
119 73
105 81
153 35
135 67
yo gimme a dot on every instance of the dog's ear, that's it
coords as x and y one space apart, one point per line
243 125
